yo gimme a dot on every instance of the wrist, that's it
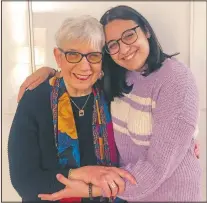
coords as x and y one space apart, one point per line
90 191
96 191
77 174
52 72
69 173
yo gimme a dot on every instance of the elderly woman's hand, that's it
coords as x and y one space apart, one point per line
35 79
109 179
74 188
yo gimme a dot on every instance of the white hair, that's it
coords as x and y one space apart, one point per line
83 28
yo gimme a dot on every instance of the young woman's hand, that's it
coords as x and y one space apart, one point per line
35 79
109 179
197 149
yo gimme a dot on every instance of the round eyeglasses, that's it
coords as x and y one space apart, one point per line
76 57
128 37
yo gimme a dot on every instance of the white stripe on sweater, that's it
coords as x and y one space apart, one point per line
126 132
138 122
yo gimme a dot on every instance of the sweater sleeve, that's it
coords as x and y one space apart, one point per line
174 123
27 176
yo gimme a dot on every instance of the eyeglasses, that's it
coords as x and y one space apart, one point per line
76 57
128 37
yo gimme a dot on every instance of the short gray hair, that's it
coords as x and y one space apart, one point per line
84 28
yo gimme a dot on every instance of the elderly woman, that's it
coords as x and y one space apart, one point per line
154 110
65 124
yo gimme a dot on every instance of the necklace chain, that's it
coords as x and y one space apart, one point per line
83 105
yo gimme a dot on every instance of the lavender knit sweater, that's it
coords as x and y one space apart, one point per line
154 127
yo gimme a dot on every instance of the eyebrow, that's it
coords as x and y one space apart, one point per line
122 33
71 50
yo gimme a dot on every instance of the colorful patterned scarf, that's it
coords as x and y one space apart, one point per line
66 137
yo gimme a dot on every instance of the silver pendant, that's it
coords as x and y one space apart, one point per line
81 112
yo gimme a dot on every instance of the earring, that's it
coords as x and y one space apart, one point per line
101 75
58 68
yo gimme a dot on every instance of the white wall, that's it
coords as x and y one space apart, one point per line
0 100
15 67
198 48
170 20
176 28
198 66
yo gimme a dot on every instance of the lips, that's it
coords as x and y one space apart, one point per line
130 56
81 77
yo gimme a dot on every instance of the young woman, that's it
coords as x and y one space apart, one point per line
154 106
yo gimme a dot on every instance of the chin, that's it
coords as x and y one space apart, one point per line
130 68
134 68
83 87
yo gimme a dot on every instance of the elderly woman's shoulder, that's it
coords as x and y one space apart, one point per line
39 95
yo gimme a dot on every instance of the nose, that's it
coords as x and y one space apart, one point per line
124 48
85 65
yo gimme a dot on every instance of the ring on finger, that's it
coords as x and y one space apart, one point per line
113 185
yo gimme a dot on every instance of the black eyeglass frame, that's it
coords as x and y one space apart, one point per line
117 41
82 55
